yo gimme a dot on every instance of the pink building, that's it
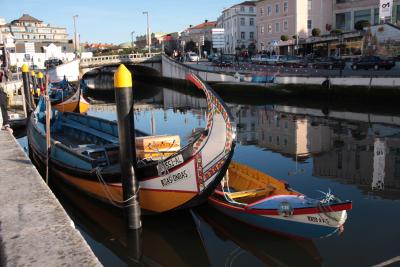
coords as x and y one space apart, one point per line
290 18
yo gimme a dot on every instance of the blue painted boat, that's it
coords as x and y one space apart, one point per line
85 154
262 201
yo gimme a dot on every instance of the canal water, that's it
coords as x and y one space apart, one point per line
354 154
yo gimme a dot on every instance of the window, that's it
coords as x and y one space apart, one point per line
251 9
251 35
262 11
242 9
269 28
277 27
285 7
285 25
376 15
269 10
277 8
262 29
251 22
242 22
242 35
309 5
262 46
309 24
343 21
362 15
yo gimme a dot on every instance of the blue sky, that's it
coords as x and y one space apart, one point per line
113 21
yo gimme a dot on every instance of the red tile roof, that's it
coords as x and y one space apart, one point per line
208 24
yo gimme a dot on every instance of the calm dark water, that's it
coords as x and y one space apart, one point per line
310 149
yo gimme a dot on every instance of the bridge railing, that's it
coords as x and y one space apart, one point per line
118 58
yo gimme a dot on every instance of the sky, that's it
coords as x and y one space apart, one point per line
113 21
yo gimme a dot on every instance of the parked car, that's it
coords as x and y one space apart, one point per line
329 63
259 59
52 62
212 57
292 62
274 59
374 62
192 56
224 61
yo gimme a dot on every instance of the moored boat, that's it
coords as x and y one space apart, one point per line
262 201
84 153
66 98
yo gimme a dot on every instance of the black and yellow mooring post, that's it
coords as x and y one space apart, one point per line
33 82
40 83
127 151
27 91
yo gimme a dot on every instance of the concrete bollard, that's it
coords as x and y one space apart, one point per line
27 91
127 151
40 83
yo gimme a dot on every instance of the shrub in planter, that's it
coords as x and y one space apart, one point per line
284 38
361 24
315 32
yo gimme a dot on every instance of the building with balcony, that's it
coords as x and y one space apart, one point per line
347 12
293 19
239 22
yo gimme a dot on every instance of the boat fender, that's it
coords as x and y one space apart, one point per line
285 209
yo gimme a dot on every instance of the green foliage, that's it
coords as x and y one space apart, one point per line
361 24
190 46
336 31
316 32
284 38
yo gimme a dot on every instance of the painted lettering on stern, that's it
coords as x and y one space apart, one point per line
317 219
173 178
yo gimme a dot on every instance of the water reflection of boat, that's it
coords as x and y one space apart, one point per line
167 240
84 153
231 243
260 200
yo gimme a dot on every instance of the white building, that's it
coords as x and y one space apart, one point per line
239 22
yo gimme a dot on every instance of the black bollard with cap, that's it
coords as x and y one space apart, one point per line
26 88
127 151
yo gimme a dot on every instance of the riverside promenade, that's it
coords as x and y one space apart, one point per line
34 228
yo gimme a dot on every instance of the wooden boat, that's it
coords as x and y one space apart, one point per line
65 98
84 153
260 200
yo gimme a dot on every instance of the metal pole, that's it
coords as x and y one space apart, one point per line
27 91
75 39
127 151
148 31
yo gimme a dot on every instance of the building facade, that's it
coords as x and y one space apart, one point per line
198 33
281 23
30 29
239 22
347 12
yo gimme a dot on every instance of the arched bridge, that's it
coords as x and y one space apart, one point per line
152 60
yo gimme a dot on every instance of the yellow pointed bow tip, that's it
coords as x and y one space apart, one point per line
25 68
40 75
33 73
122 77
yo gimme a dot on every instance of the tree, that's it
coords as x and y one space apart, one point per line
190 46
361 24
315 32
207 46
284 38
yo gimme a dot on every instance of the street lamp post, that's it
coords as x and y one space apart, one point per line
132 32
75 34
148 31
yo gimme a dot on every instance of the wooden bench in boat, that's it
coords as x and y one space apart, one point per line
252 193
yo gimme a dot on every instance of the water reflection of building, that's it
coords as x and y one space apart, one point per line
246 119
291 134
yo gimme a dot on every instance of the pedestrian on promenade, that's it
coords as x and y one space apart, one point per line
3 106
